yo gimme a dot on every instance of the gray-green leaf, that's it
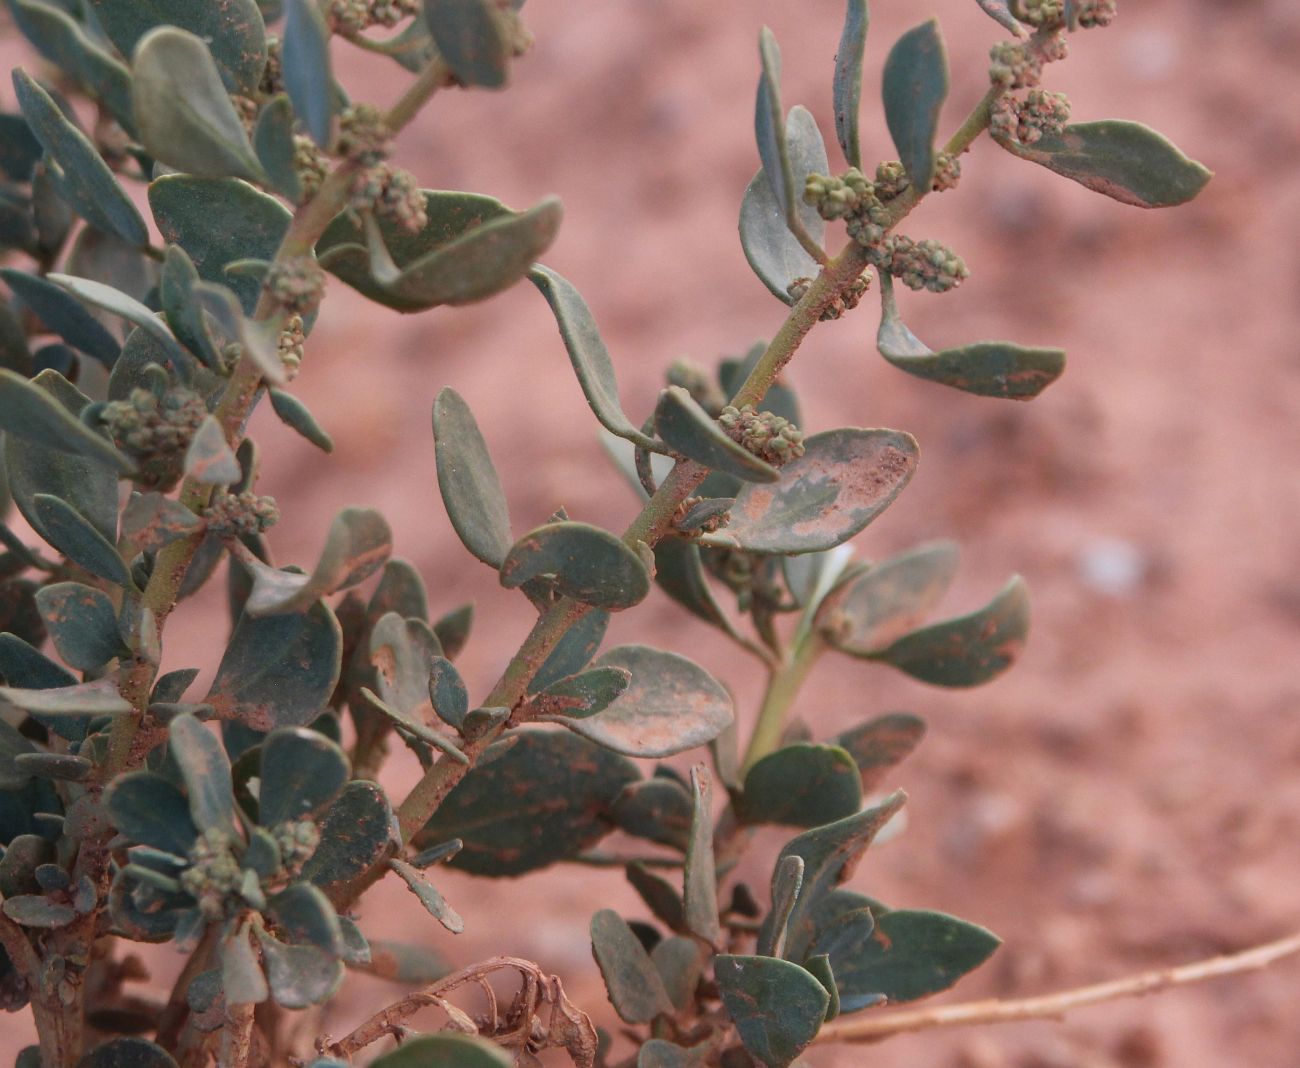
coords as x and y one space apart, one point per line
915 87
847 83
690 430
777 1007
635 989
586 563
471 490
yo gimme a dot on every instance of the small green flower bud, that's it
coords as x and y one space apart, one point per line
364 137
310 164
947 172
290 345
925 264
234 515
1041 14
1093 13
297 285
891 179
698 383
213 874
155 431
297 840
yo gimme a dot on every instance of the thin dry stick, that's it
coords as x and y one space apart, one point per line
1054 1006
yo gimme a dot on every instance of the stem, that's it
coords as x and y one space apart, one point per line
783 687
236 1037
1051 1006
176 1013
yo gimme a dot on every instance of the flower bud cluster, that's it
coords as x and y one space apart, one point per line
924 264
1093 13
364 137
1041 14
891 179
390 193
767 435
234 515
290 345
699 384
851 197
846 301
155 431
296 285
947 172
1019 64
297 840
1027 121
310 164
213 874
353 16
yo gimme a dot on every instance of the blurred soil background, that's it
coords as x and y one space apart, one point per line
1129 795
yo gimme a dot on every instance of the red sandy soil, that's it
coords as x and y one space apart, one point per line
1127 796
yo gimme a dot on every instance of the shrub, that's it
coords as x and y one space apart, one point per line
125 816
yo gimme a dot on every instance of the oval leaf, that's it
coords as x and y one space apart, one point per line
355 832
473 39
588 564
62 315
915 87
279 671
970 649
86 181
635 989
842 482
880 744
206 771
884 602
777 1007
471 490
802 785
671 705
76 538
690 430
307 78
445 1050
82 623
300 771
428 896
769 125
183 112
847 83
1124 160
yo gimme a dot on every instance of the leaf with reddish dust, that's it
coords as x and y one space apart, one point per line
209 459
880 744
777 1007
1000 369
358 545
970 649
279 671
670 705
844 479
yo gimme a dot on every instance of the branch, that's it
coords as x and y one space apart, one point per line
1054 1006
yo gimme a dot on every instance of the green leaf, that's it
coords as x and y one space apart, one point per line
64 43
679 572
115 301
62 315
233 30
299 976
130 1052
99 698
777 1007
847 84
182 307
206 771
307 77
773 252
580 696
428 896
842 482
587 353
787 881
662 898
301 771
76 537
680 963
358 544
295 415
803 785
452 630
273 143
471 490
635 989
445 1050
447 692
691 431
660 1053
769 125
152 521
544 798
38 911
573 652
473 39
700 880
880 744
82 623
908 955
819 967
85 180
1124 160
252 226
1000 369
152 811
354 833
658 810
970 649
830 854
279 671
305 916
259 338
671 705
403 651
915 87
885 601
584 562
182 111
